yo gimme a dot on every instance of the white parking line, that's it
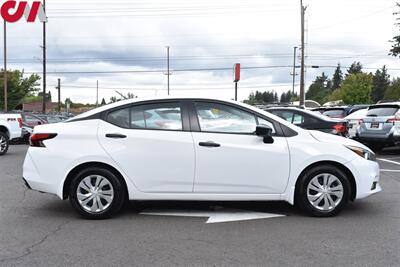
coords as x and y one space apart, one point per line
215 216
390 161
384 170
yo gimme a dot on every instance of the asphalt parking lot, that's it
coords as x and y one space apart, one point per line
39 229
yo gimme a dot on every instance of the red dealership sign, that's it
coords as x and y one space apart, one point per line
13 11
236 73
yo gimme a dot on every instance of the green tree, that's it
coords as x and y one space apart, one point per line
355 68
393 92
356 89
18 87
381 84
319 89
337 78
395 50
103 102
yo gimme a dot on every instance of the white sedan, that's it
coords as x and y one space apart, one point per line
195 149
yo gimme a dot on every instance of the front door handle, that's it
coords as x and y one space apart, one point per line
209 144
115 136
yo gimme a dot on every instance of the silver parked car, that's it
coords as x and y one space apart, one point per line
381 126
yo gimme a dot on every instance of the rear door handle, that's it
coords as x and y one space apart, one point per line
115 136
209 144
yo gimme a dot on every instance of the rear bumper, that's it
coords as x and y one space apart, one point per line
34 180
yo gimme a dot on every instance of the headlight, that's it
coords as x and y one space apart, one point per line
366 154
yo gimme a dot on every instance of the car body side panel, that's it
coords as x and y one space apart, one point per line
46 168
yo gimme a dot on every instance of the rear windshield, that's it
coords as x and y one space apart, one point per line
334 113
382 111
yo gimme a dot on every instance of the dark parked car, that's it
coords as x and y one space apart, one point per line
311 120
341 112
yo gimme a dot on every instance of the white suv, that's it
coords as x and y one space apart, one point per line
195 149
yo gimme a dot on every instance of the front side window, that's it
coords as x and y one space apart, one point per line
215 117
163 116
261 121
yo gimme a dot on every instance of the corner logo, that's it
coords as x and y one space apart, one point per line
13 11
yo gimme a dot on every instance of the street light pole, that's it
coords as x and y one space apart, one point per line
44 60
5 68
302 92
294 67
168 73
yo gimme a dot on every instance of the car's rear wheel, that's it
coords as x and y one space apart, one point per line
323 191
97 193
4 143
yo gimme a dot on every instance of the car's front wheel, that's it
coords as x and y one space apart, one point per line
97 193
4 143
323 191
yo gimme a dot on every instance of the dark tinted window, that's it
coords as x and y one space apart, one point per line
382 111
335 113
286 115
119 118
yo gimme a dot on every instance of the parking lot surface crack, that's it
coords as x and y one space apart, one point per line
29 250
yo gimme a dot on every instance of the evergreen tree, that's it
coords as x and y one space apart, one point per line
103 102
319 89
355 68
381 83
337 78
393 92
395 50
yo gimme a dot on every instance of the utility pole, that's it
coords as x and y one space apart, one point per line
97 93
59 95
168 73
44 61
302 92
294 68
5 69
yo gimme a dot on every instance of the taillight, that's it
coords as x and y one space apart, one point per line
36 140
20 122
392 120
340 128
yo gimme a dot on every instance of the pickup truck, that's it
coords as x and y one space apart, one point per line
10 128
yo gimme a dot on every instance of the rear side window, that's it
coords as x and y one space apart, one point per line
119 118
334 113
382 111
163 116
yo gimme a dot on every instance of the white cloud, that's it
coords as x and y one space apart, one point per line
202 34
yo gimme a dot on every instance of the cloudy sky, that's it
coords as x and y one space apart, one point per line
122 44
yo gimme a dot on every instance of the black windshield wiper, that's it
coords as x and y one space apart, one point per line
372 115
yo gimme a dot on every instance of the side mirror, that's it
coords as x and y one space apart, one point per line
265 132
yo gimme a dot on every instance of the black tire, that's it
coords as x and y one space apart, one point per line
4 137
118 200
301 198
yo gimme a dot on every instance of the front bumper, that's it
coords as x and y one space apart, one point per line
367 175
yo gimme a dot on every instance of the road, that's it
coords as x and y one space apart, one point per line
41 230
